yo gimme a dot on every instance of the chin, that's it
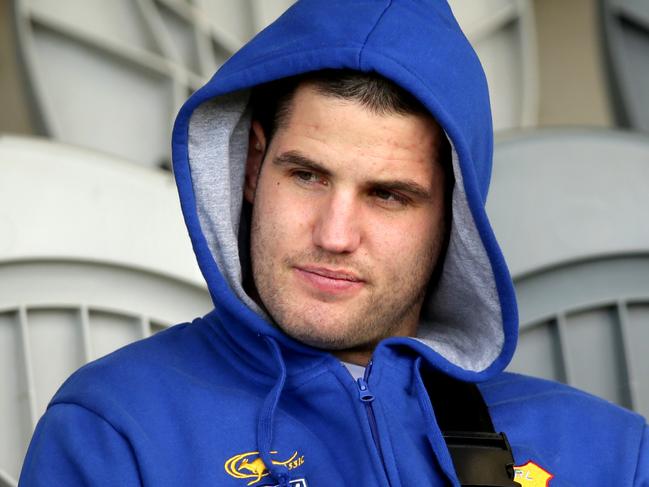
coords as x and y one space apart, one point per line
322 336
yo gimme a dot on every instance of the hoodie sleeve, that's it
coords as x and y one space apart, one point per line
74 446
642 470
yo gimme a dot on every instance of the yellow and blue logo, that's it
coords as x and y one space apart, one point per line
531 475
249 465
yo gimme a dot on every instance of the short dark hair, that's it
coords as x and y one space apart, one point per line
271 102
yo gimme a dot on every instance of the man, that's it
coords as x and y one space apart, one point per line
338 218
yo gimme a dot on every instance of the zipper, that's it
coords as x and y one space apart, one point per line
366 397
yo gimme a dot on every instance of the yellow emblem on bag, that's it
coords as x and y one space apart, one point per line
531 475
249 465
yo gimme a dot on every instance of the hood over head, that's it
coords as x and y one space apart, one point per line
469 323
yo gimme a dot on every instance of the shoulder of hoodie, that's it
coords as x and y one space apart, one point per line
548 411
145 368
576 436
523 390
517 391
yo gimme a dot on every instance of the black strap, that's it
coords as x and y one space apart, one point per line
481 456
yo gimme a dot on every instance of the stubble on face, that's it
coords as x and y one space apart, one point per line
374 316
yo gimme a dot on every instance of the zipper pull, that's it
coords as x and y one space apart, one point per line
364 393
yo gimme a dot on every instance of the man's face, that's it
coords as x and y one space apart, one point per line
348 221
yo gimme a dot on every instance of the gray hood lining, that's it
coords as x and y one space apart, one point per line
465 320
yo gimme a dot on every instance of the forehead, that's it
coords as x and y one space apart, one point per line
341 130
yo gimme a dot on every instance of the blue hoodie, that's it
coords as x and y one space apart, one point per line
230 400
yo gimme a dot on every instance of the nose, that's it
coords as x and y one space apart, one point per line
337 228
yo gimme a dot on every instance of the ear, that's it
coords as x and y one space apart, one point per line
256 152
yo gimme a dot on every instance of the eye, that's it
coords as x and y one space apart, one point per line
383 194
307 177
389 197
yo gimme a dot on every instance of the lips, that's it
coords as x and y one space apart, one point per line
329 281
332 274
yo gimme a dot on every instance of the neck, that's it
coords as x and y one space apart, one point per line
354 356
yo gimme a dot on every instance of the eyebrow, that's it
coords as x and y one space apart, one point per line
294 158
412 188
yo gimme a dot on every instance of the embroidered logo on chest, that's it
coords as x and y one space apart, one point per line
249 465
531 475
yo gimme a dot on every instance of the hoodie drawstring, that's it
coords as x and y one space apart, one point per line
279 473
